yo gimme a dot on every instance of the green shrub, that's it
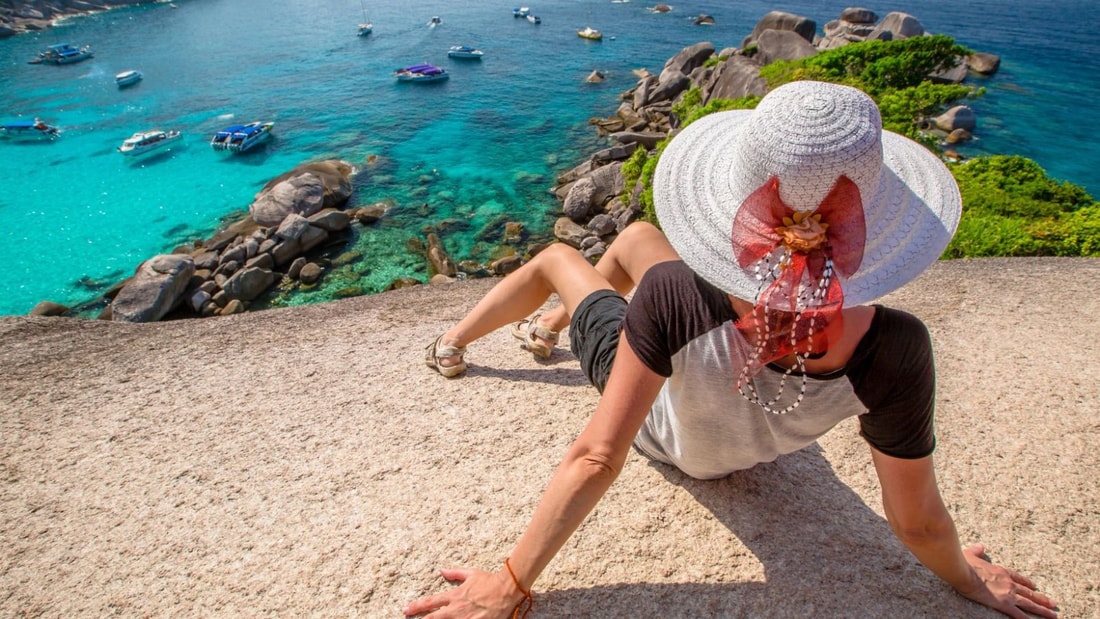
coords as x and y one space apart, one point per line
1011 207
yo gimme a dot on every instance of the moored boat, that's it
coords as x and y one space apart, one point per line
520 11
64 53
421 73
365 26
146 142
29 130
126 78
590 33
534 19
240 138
465 51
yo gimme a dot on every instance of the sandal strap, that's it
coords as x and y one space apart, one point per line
438 349
534 329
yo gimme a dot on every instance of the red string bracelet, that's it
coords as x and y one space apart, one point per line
528 600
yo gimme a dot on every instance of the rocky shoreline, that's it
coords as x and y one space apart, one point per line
304 209
35 15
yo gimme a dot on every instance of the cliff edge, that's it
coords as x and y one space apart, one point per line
303 461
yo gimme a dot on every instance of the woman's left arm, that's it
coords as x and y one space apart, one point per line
916 513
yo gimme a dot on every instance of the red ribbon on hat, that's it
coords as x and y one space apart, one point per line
798 310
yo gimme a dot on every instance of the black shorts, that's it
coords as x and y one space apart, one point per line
594 334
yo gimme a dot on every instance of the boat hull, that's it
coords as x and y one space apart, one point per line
136 147
242 138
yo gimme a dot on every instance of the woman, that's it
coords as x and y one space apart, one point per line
746 336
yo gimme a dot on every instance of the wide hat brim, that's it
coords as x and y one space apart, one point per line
911 208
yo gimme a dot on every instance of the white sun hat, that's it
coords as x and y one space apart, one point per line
803 137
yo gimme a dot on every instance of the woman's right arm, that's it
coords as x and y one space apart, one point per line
580 481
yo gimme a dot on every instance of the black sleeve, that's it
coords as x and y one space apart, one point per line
894 375
671 306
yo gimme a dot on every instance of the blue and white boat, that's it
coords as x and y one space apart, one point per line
29 130
434 21
240 138
465 51
63 53
520 11
534 19
127 78
421 73
148 142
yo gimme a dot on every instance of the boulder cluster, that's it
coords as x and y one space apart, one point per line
290 217
596 206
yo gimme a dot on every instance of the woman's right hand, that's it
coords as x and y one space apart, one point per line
480 595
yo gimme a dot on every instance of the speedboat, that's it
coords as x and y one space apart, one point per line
465 51
434 21
534 19
146 142
63 53
590 33
239 138
520 11
128 77
29 130
421 73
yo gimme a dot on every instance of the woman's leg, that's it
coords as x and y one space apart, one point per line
557 269
637 248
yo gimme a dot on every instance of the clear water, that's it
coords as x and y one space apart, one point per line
75 217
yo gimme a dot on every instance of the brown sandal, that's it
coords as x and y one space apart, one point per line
528 329
437 350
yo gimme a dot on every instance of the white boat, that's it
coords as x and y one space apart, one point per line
146 142
29 130
421 73
127 78
240 138
520 11
434 21
590 33
365 27
534 19
465 51
63 53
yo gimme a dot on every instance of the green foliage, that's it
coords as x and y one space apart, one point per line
903 108
718 105
1013 208
879 66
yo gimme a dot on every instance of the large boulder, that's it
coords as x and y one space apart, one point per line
899 25
687 59
781 20
302 195
858 15
305 190
775 45
155 289
958 117
248 283
981 62
736 77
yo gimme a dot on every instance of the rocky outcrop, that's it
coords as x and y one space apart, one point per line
305 190
34 15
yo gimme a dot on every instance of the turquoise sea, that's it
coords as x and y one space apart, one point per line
76 218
